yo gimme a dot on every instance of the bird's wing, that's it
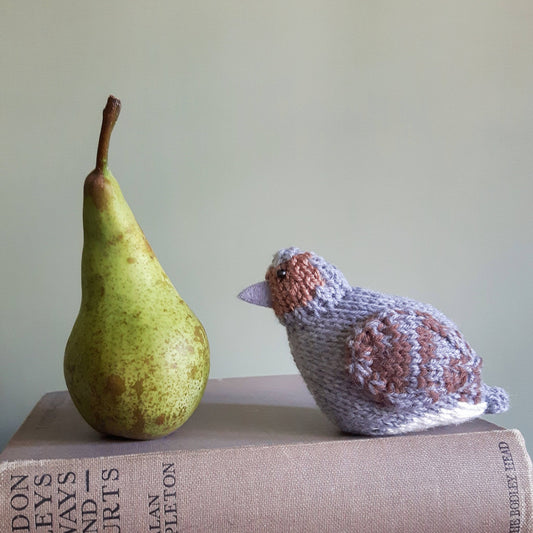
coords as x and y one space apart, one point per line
406 357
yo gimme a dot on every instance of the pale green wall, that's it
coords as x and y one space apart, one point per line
393 138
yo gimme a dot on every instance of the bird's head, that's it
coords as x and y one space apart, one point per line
297 283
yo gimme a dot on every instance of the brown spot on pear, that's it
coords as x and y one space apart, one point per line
97 188
138 387
115 385
115 239
199 334
138 427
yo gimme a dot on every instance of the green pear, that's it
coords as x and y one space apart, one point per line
137 360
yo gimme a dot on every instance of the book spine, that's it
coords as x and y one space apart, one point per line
467 482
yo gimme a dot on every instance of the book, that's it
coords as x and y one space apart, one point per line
258 455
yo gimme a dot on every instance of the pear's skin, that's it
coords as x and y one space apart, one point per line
137 360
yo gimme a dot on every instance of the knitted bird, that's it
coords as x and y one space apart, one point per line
375 364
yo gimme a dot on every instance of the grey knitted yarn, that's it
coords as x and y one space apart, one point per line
376 364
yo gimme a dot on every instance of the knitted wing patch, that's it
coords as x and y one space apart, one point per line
404 357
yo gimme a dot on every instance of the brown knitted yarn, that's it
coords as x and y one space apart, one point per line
293 283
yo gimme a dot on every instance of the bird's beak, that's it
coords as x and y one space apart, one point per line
258 294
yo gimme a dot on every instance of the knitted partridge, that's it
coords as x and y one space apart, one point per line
375 364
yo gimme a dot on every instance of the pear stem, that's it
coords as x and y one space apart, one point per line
110 116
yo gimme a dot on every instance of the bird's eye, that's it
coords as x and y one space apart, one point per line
281 273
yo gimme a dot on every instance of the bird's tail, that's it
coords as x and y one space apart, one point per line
497 399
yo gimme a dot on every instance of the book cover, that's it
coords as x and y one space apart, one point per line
258 455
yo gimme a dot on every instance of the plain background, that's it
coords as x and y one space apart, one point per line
393 138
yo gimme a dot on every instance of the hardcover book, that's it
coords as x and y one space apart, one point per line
258 455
